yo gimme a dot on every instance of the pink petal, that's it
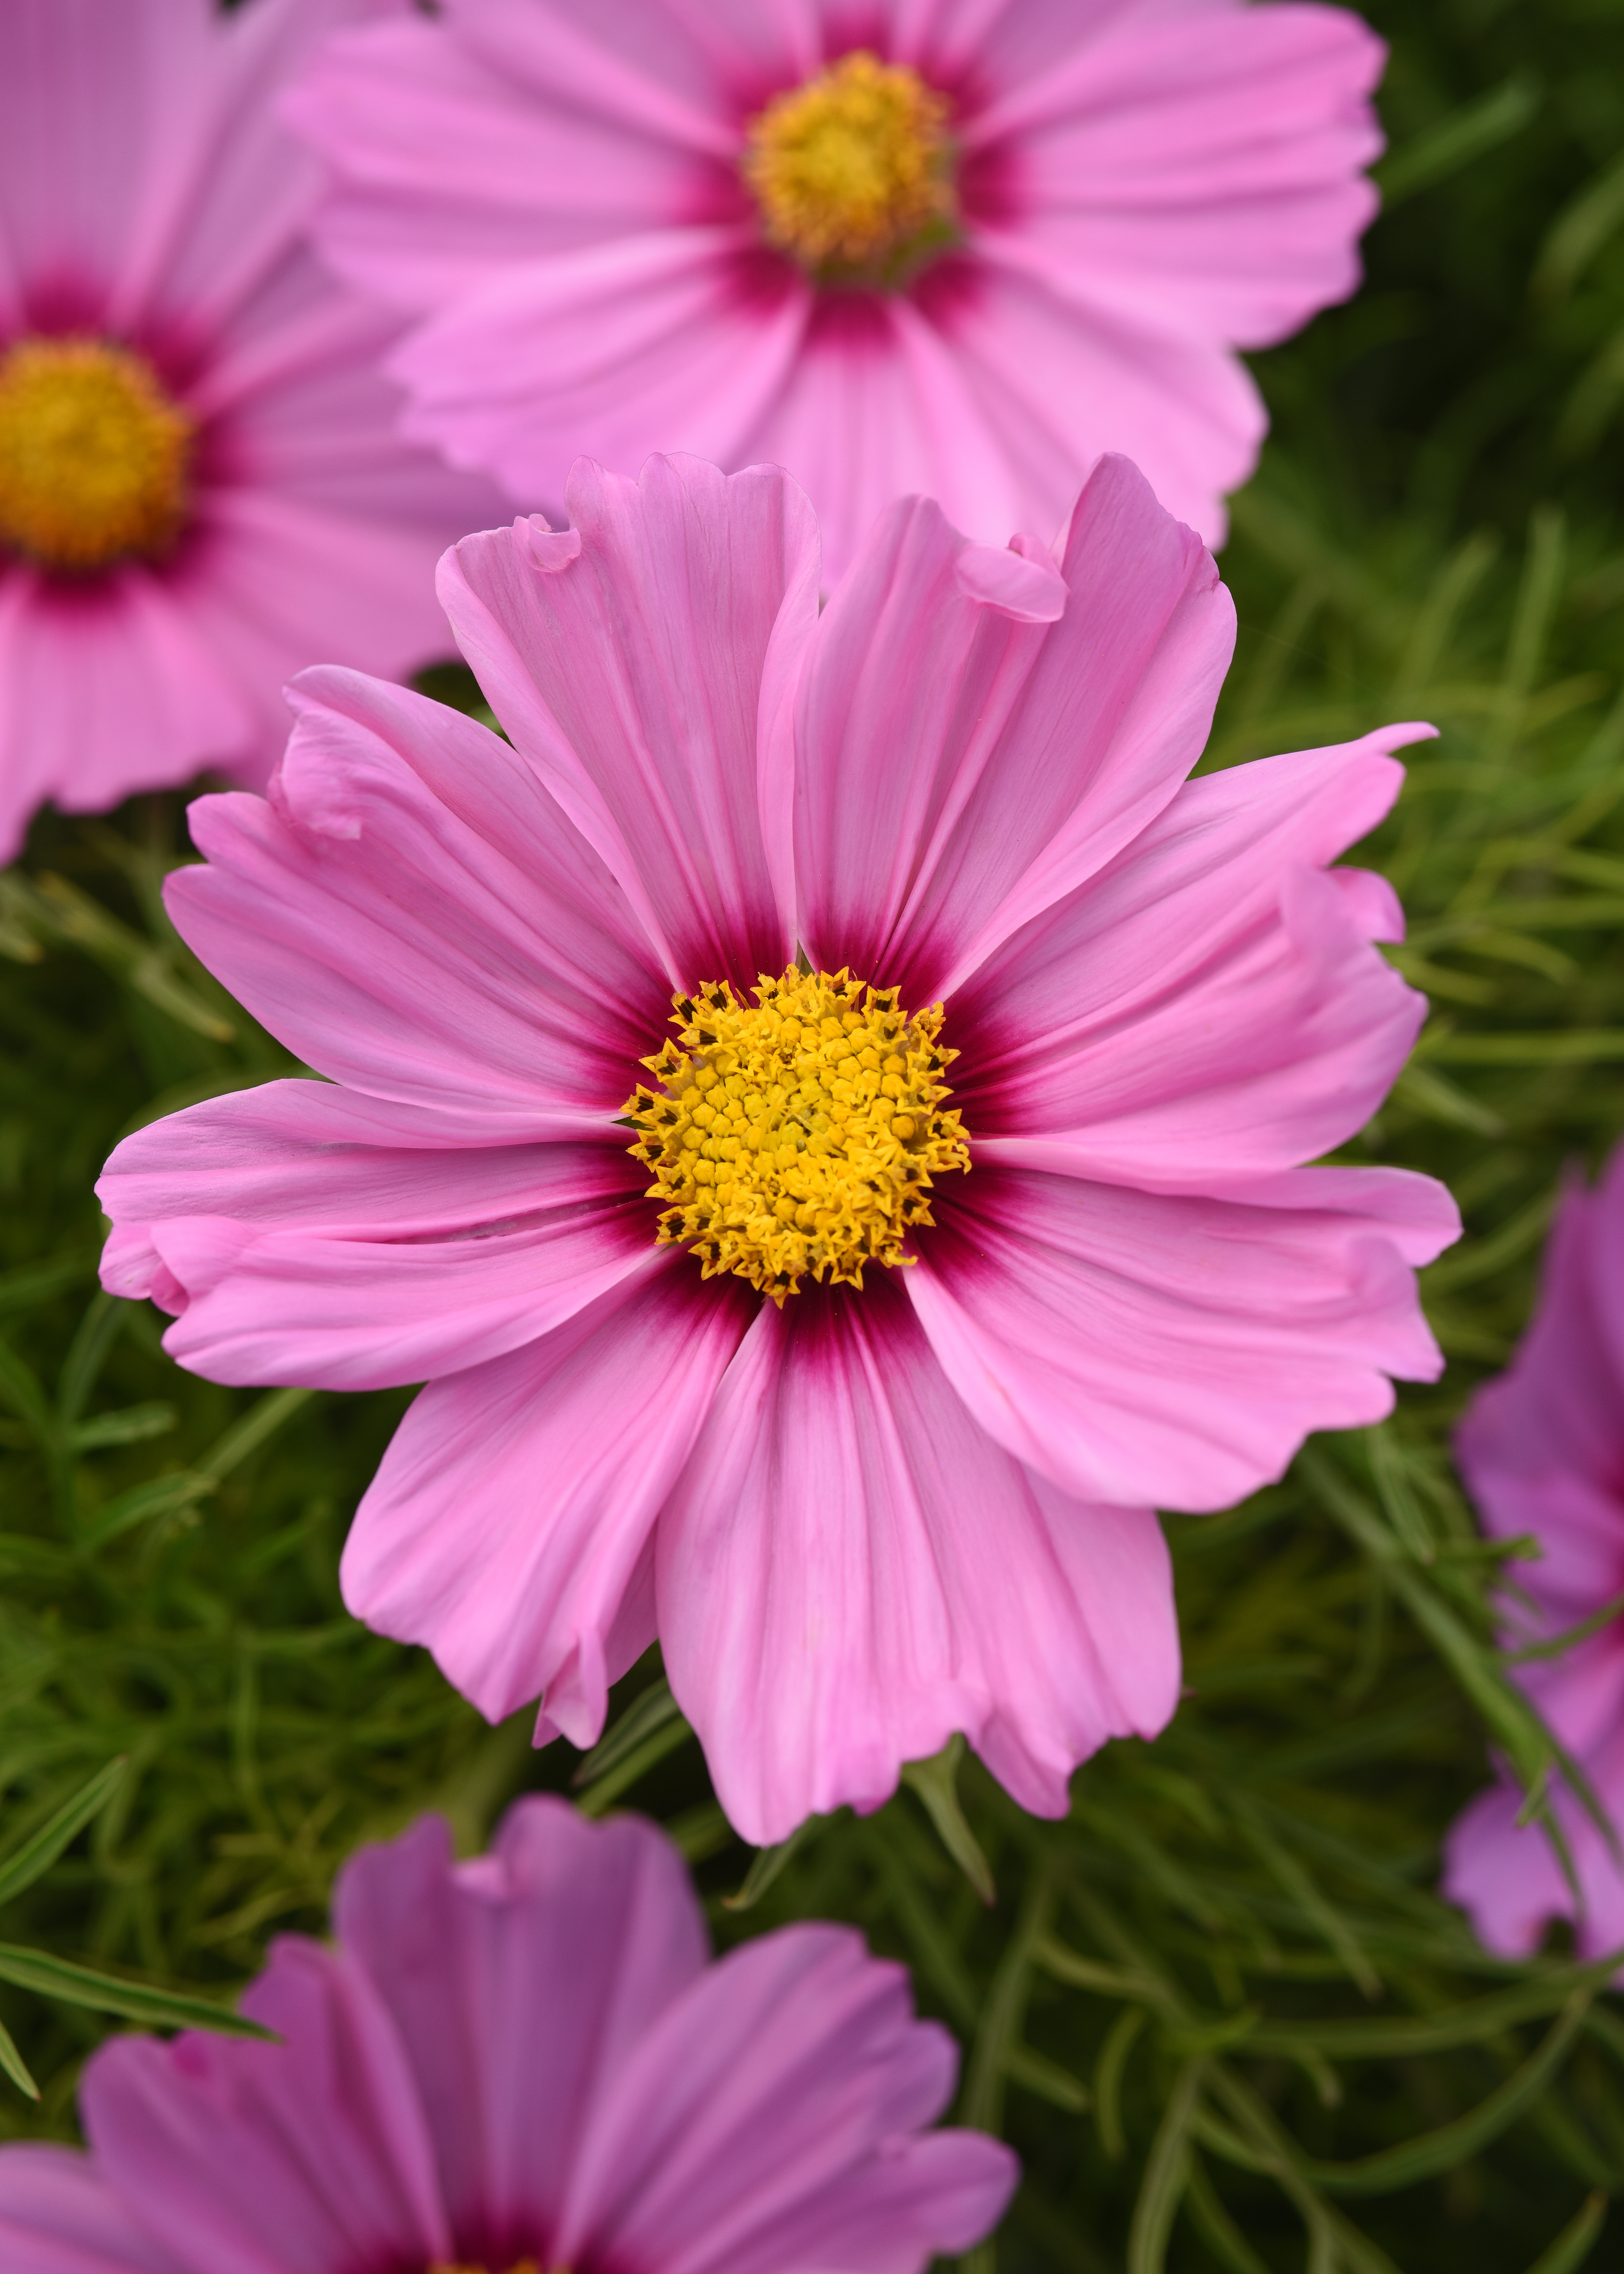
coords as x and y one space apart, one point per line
401 110
1579 1696
142 162
878 403
1058 378
764 2121
71 166
1418 1214
849 1570
1209 1008
1553 1424
223 193
338 1305
58 2215
281 580
1610 1240
507 1522
308 1234
1542 1451
1012 42
670 335
305 331
636 62
311 1156
1201 175
962 771
1142 1347
255 2158
413 916
584 1932
300 408
103 692
1577 1520
1507 1877
1600 1923
633 680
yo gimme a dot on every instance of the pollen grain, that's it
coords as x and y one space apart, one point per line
800 1134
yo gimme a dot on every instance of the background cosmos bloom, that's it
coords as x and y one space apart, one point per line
1041 232
1542 1450
201 487
523 2062
860 1518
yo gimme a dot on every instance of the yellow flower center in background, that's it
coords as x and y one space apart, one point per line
93 455
522 2266
852 172
799 1134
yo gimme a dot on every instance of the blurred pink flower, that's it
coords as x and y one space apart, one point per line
862 1517
523 2062
1006 238
201 487
1542 1451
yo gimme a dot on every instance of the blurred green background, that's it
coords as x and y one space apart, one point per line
1219 2011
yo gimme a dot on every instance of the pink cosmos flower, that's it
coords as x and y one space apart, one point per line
956 247
862 1506
200 484
1542 1451
522 2062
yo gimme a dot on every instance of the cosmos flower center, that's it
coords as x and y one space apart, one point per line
94 455
799 1134
519 2266
852 172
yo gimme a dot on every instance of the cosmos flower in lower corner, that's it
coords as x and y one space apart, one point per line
843 1328
523 2062
201 488
1542 1451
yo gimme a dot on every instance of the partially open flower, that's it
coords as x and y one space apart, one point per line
521 2063
823 1109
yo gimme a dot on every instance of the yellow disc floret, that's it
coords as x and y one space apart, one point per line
799 1134
853 171
93 455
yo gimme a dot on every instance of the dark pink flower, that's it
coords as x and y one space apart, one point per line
858 1516
1542 1451
524 2062
894 246
201 488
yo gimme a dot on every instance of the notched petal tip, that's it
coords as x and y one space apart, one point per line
551 550
1024 584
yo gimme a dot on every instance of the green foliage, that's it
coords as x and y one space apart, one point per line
1220 2009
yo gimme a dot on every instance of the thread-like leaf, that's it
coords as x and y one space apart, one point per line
39 1851
109 1993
